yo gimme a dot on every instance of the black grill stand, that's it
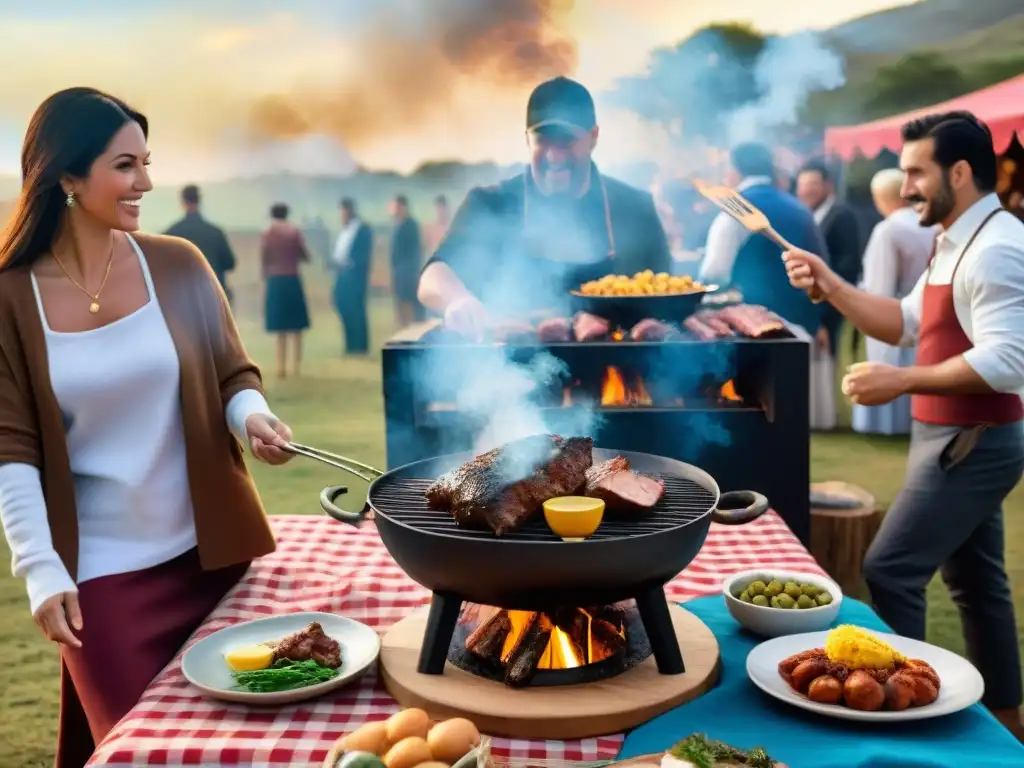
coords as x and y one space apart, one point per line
651 604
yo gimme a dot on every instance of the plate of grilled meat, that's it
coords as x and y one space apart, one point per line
281 659
854 674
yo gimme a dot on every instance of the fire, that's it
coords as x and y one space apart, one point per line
615 392
618 334
526 641
728 392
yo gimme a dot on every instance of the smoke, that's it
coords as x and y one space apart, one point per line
787 71
411 62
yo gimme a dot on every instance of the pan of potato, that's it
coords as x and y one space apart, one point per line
625 300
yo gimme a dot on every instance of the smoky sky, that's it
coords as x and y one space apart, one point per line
412 61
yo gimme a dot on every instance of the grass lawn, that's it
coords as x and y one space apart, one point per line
338 405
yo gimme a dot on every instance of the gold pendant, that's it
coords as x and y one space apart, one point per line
94 307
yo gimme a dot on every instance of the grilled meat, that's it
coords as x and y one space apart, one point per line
504 487
622 489
555 329
310 643
651 330
588 327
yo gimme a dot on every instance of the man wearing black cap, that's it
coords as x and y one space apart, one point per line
517 248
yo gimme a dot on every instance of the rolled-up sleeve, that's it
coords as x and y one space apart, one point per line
995 286
911 305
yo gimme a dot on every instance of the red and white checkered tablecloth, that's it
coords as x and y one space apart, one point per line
321 565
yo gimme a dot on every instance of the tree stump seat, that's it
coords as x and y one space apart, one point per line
844 521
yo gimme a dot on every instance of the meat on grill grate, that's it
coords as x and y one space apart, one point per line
504 487
622 489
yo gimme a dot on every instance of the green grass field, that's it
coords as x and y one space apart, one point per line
338 405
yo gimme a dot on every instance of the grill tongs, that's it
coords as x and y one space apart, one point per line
329 495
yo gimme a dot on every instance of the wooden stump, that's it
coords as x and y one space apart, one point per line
840 537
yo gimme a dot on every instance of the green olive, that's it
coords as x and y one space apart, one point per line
810 590
823 598
775 602
756 587
786 601
760 600
792 589
805 601
745 596
773 588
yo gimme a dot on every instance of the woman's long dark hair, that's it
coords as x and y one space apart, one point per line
65 136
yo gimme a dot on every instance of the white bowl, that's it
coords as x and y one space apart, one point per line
775 622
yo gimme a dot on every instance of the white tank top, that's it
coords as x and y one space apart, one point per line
118 390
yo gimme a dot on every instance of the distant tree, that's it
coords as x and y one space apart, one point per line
691 86
916 80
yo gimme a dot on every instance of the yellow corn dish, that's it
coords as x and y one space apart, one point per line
645 283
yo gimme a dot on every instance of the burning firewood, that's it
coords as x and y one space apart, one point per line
523 662
488 639
574 623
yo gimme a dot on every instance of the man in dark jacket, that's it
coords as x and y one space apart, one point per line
207 237
406 262
839 225
351 261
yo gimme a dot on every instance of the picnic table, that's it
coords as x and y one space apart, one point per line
322 565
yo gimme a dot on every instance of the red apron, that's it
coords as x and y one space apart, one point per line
941 338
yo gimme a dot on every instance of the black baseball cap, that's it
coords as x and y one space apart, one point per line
560 103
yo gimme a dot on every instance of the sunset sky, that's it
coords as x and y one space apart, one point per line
197 69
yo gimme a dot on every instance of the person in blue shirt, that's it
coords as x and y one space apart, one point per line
752 263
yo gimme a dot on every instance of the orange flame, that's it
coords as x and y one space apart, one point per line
561 652
614 391
728 392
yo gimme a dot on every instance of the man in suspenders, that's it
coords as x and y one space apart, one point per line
967 441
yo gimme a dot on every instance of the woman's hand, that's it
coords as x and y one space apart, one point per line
268 438
56 617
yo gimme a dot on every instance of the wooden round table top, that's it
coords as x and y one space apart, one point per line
550 712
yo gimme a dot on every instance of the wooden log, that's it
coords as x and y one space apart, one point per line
840 537
525 657
607 634
488 639
574 623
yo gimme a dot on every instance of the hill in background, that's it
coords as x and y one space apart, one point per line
980 37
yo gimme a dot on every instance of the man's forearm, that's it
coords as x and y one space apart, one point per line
951 377
439 286
879 317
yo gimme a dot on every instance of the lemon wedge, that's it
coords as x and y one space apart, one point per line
250 659
573 517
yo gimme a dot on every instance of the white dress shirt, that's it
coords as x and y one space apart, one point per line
824 209
726 238
343 245
988 292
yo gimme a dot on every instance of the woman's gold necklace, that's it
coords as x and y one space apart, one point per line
94 307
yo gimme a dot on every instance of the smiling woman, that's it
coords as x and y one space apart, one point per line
122 382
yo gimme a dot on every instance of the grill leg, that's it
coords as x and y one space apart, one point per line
654 613
441 621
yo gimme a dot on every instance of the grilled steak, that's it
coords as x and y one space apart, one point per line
622 489
555 329
310 643
503 488
589 327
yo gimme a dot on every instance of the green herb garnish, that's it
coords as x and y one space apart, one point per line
283 675
704 753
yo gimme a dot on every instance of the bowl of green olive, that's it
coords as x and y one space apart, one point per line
774 603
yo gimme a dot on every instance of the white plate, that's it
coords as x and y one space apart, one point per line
961 684
204 666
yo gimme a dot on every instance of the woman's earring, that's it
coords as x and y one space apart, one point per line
69 201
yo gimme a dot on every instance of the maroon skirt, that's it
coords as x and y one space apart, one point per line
133 626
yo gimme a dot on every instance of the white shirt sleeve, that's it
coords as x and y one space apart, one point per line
995 285
881 262
911 306
23 513
725 239
240 408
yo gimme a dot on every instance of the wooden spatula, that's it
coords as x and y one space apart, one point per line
737 206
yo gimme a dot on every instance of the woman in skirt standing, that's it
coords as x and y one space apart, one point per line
126 396
282 250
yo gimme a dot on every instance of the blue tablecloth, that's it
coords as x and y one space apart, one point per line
737 712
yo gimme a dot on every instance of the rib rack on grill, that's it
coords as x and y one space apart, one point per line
503 488
310 643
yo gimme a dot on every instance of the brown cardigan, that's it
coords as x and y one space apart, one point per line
231 526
